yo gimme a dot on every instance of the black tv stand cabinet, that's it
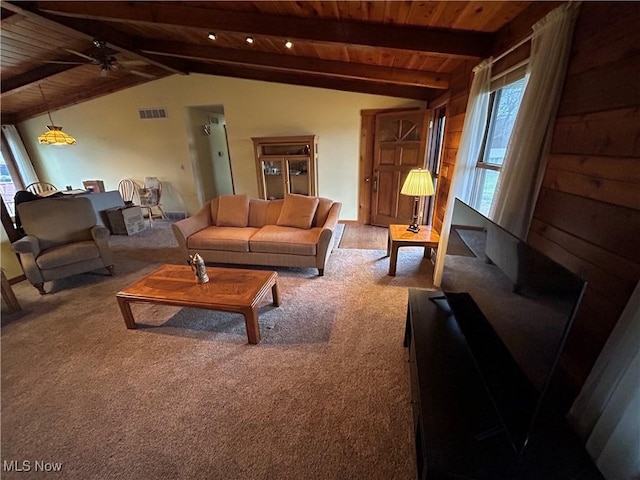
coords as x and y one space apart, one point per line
458 432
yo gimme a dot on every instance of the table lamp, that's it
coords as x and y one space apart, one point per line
419 184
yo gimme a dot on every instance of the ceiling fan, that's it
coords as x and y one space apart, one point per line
103 58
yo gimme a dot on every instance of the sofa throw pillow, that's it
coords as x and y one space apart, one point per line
298 211
233 211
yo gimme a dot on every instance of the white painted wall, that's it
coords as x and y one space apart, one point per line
113 143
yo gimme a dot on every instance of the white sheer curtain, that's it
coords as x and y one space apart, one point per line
606 414
470 143
475 121
19 155
525 159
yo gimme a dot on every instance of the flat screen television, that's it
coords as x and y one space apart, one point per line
529 302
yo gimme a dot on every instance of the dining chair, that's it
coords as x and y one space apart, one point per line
150 197
129 189
40 187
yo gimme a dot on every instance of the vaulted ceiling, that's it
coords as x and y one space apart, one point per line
55 54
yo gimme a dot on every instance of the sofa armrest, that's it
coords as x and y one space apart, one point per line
98 232
187 227
28 244
101 235
29 248
332 216
326 236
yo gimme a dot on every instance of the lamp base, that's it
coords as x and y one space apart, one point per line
414 227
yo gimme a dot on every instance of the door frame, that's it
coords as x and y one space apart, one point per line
435 150
367 152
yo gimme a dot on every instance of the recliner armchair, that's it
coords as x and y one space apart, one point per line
62 239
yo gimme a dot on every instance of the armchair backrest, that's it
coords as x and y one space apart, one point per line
56 221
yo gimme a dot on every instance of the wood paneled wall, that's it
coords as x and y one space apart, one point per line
460 85
587 216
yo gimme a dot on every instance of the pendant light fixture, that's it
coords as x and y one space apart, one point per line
55 135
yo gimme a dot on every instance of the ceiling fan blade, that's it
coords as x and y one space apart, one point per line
80 54
142 74
64 63
132 63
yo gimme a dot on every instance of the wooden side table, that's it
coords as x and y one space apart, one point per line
8 296
400 237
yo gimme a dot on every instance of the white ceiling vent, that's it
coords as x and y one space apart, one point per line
152 113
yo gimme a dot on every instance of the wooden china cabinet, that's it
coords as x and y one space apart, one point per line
286 165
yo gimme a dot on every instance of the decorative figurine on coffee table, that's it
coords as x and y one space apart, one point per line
199 268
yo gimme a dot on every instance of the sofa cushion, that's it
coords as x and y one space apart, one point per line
63 255
273 211
258 212
298 211
264 212
287 240
233 211
222 238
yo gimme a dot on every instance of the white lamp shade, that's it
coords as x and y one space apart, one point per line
418 183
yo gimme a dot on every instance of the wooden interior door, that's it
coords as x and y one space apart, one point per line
400 146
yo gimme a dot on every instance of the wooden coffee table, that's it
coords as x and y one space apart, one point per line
228 290
399 236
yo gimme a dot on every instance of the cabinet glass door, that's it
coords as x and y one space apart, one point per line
273 179
299 177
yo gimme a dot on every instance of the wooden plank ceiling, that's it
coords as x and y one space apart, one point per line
50 60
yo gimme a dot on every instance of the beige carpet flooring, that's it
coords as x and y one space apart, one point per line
325 395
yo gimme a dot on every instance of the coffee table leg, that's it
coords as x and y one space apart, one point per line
251 322
275 291
394 259
125 308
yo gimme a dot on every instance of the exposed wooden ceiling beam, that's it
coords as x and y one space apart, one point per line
298 63
343 84
40 73
520 26
9 118
450 42
8 17
4 14
90 30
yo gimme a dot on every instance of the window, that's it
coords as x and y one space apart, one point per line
434 158
16 170
7 187
503 108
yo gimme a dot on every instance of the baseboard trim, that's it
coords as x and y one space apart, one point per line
18 279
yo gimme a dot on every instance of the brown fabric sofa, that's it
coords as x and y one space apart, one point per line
294 232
